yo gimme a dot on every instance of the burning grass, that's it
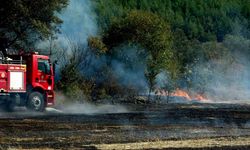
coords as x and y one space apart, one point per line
184 94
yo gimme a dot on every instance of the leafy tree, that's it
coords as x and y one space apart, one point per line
150 32
24 21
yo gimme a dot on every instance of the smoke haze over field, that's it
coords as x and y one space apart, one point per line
226 78
232 83
74 107
220 79
87 108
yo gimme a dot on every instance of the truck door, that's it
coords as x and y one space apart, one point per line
43 73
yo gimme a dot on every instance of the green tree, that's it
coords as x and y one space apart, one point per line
24 21
149 31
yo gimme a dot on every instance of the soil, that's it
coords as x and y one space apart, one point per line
171 126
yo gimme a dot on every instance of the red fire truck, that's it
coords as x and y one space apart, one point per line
26 79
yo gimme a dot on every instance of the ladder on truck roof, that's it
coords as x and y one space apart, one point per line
16 62
7 60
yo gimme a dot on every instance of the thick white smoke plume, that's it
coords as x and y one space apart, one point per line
79 22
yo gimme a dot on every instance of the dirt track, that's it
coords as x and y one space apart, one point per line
222 126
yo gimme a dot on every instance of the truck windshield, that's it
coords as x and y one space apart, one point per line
43 66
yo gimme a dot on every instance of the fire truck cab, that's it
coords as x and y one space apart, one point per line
26 79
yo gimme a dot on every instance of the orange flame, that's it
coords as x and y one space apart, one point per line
182 93
200 97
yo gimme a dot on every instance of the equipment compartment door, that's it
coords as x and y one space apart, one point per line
16 81
3 78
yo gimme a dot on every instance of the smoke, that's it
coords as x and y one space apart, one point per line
129 66
233 84
219 79
88 108
220 74
72 106
164 81
226 78
129 77
79 22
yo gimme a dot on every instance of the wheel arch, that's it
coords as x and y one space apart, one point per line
40 90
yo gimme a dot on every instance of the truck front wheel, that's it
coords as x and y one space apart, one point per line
36 101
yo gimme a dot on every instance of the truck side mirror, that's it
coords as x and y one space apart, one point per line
47 69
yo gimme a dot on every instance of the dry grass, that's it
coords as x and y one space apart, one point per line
190 143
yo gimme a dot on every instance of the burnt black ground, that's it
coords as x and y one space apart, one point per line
24 129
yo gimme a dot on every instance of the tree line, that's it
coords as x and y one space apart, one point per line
193 42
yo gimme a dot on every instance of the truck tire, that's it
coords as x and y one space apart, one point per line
36 102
